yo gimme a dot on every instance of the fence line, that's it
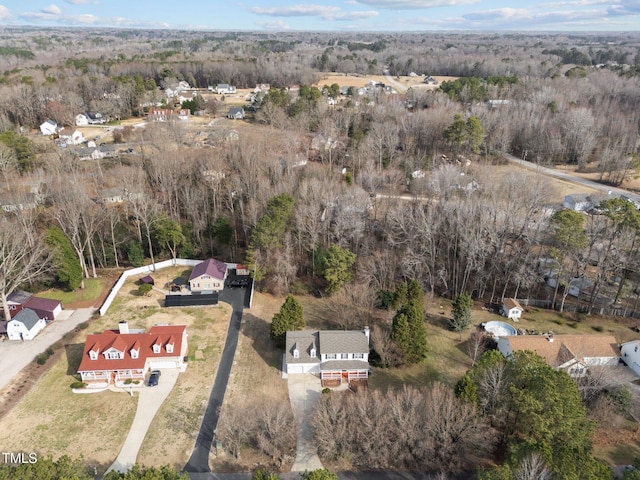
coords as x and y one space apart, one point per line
595 310
187 262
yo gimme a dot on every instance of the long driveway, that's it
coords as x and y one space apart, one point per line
199 460
15 355
149 401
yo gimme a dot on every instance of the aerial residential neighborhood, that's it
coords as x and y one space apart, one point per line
318 253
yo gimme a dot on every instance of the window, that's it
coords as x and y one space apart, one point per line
169 347
344 356
113 355
207 285
134 353
312 352
156 348
93 355
358 356
331 356
296 353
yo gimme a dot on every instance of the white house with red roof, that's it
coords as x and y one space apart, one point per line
208 276
115 356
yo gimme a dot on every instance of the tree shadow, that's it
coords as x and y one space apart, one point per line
438 320
257 330
74 357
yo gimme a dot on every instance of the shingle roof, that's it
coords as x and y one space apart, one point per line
343 341
565 347
212 267
303 340
127 342
19 297
39 303
510 303
27 317
344 365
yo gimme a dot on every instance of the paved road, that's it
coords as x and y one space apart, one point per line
149 401
199 460
566 176
15 355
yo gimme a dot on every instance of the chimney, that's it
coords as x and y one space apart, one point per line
366 333
123 326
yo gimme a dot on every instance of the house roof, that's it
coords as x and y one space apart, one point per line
27 317
3 326
565 347
39 303
344 365
303 340
343 341
125 342
235 110
510 303
325 341
19 297
212 267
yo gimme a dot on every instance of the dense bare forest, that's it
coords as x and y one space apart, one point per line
564 99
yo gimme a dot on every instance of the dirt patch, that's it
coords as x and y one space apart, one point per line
345 80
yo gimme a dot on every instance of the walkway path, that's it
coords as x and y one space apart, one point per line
15 355
304 391
149 401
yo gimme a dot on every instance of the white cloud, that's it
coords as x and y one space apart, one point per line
295 11
5 13
415 4
82 2
276 26
52 10
322 11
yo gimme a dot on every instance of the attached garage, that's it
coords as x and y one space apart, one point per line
292 368
160 364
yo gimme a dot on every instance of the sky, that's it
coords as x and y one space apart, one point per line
330 15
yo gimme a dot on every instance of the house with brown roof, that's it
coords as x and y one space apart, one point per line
512 309
334 355
46 308
208 276
574 354
119 356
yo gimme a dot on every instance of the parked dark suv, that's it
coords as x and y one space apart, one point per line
154 377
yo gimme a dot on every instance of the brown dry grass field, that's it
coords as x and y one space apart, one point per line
52 420
361 80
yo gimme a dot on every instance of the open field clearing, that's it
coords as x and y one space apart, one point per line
51 420
362 80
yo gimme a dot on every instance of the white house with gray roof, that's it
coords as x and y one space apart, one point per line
332 354
25 325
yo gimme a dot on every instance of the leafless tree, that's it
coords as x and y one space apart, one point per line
476 345
23 258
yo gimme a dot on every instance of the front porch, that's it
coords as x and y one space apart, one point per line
336 378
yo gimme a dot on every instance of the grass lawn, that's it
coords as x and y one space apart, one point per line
93 289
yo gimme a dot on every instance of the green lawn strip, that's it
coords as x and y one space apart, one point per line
93 289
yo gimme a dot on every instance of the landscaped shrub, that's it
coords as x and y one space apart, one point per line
144 288
326 390
42 359
83 325
49 351
78 384
128 381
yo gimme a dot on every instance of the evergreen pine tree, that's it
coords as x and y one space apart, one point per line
290 317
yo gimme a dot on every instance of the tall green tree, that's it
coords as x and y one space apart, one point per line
336 266
66 265
22 147
461 312
464 133
408 329
290 317
168 234
568 238
538 410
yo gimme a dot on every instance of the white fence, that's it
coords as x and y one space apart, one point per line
140 270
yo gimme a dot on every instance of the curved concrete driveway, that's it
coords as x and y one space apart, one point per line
199 460
304 391
149 401
15 355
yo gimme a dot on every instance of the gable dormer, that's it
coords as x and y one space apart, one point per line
296 352
169 345
93 353
157 345
113 354
135 350
313 350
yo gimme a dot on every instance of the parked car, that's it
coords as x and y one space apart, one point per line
238 282
154 377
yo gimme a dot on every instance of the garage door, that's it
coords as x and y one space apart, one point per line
295 369
159 365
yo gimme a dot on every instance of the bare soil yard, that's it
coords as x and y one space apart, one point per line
361 80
